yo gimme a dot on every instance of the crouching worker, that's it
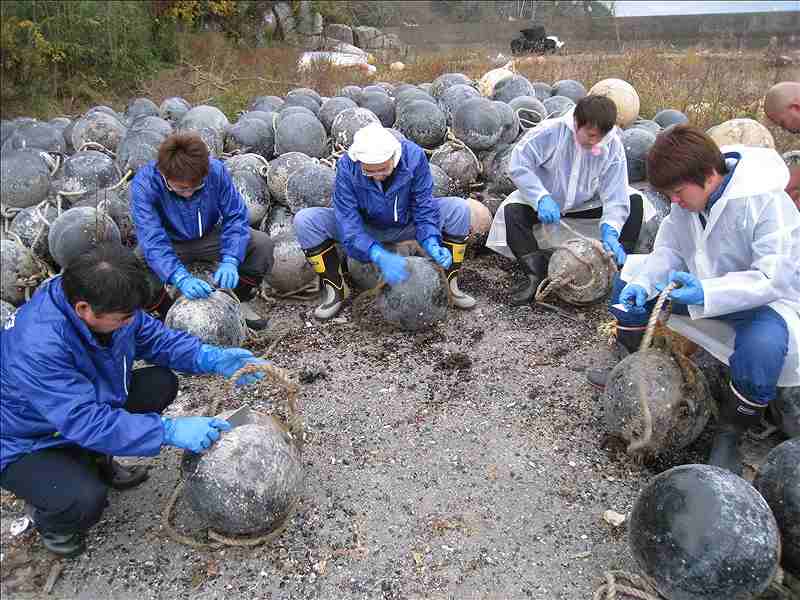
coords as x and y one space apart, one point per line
383 193
70 399
573 166
732 244
186 208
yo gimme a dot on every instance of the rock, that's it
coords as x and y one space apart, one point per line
613 518
364 36
339 32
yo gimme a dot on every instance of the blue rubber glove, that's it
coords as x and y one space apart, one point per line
194 434
633 297
392 266
226 361
437 253
227 275
610 237
191 287
549 211
690 292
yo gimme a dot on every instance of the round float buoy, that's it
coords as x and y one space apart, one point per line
381 105
477 124
528 110
742 131
702 533
569 88
420 302
778 481
173 109
557 106
623 95
677 396
250 134
24 178
279 171
90 170
249 481
32 225
579 272
785 410
300 133
216 320
423 123
78 230
98 127
441 83
140 107
637 143
17 265
310 185
670 116
291 271
331 108
490 79
459 163
348 122
254 192
455 96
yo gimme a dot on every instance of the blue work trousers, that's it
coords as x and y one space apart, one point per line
313 226
762 341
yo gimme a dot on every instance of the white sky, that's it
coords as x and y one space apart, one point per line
631 8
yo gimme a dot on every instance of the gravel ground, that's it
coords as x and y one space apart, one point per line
468 462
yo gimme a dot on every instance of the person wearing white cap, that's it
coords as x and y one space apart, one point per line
383 193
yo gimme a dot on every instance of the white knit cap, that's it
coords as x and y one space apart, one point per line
374 144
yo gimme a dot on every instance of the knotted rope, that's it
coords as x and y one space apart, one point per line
549 285
293 426
630 585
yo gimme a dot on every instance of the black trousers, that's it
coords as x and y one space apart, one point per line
520 219
63 484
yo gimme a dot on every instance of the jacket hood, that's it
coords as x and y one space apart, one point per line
756 167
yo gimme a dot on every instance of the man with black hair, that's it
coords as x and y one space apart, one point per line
186 208
572 166
70 398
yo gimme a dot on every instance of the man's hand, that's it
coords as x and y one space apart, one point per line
633 297
611 243
549 212
392 266
227 275
690 292
192 287
437 253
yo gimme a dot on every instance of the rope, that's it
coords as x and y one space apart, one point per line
309 291
451 137
527 124
294 427
98 147
633 586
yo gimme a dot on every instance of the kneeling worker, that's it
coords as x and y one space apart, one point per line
70 399
732 243
383 193
572 166
186 208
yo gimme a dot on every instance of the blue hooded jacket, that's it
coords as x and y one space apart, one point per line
161 217
61 386
359 200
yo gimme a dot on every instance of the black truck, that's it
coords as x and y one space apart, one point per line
534 40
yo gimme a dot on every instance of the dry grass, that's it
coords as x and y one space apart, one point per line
709 87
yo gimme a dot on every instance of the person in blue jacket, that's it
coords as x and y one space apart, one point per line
383 193
70 398
185 208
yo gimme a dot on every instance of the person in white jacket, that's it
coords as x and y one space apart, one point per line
732 244
573 166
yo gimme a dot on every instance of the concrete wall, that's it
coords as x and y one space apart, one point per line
725 30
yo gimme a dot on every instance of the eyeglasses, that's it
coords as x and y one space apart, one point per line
182 190
382 173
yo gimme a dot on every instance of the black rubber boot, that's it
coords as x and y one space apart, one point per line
64 545
628 341
118 476
325 260
736 415
245 292
535 267
457 248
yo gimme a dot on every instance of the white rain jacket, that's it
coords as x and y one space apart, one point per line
747 256
549 160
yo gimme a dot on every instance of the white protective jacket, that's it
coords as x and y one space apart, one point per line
747 256
549 160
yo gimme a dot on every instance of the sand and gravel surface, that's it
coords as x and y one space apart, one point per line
466 462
